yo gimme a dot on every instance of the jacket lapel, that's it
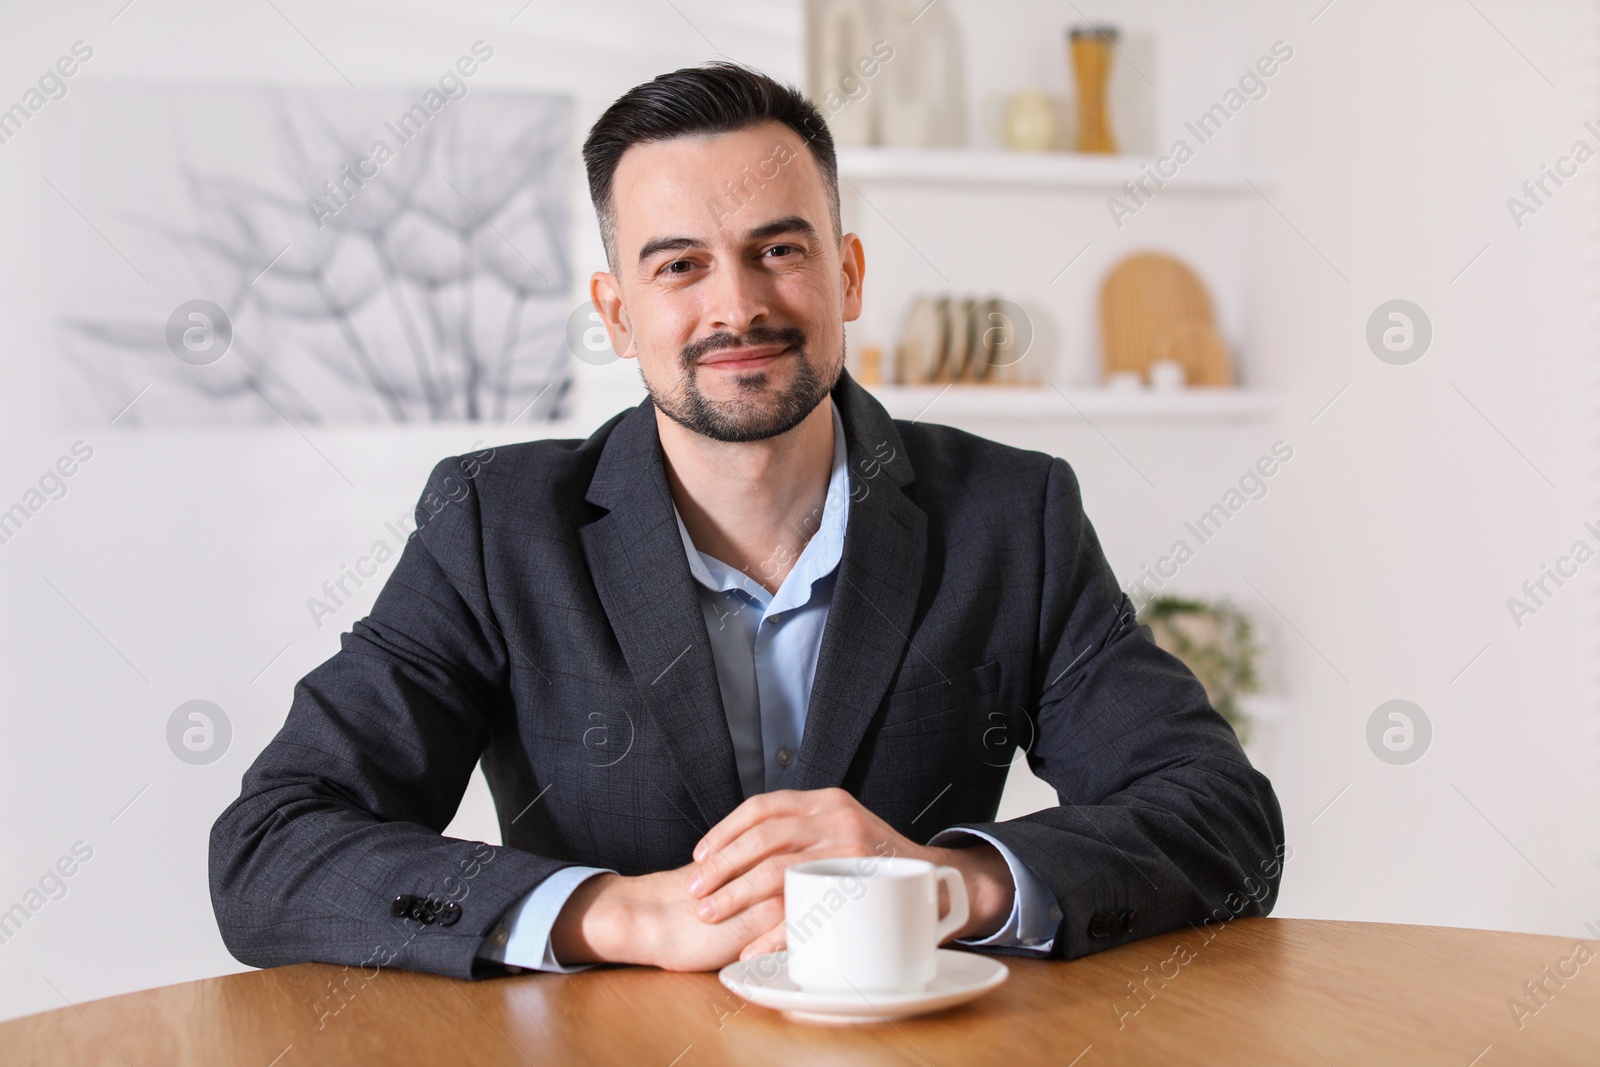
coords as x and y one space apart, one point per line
642 577
875 593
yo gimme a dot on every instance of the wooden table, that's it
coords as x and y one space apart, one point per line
1271 991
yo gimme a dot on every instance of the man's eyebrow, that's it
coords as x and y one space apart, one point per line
789 224
668 244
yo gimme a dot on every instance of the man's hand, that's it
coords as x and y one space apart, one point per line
740 863
650 920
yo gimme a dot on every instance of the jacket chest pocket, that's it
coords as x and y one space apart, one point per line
941 705
939 752
945 725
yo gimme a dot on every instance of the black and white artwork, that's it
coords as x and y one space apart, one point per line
322 256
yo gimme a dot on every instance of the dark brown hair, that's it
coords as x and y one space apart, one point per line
718 97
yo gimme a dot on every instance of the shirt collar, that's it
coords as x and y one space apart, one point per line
817 560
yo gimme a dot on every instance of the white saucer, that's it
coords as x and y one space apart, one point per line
764 980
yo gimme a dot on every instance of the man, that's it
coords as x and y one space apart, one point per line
750 622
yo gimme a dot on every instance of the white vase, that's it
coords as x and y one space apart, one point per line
923 100
841 37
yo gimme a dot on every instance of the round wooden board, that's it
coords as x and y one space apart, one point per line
1153 307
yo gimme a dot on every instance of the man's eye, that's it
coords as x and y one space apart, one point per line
783 249
684 263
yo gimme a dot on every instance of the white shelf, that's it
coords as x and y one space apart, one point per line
941 404
1068 170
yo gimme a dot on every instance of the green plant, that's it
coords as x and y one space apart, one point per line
1215 640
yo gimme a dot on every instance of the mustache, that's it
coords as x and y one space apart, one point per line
788 336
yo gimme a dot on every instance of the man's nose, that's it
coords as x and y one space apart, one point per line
737 298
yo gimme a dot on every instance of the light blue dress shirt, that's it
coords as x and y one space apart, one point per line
765 646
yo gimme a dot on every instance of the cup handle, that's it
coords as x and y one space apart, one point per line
958 903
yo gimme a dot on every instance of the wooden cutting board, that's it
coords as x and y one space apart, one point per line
1154 307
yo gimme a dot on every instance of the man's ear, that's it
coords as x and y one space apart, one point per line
607 299
853 265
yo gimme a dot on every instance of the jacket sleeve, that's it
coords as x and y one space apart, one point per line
1161 822
334 849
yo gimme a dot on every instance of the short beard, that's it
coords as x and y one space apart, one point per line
743 420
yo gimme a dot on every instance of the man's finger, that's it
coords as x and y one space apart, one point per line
774 940
764 806
752 811
773 837
762 881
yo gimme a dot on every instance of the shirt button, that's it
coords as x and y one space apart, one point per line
784 757
501 937
1055 913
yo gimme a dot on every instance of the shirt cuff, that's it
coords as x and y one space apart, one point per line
1035 913
521 939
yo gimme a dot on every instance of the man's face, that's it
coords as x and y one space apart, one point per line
730 288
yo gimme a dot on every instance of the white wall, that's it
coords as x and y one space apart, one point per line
1394 538
1394 140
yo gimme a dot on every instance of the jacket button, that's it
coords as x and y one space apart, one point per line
1104 924
401 906
1127 920
450 915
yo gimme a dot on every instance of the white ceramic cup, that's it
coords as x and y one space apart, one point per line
868 924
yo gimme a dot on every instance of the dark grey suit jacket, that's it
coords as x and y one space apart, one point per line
543 620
